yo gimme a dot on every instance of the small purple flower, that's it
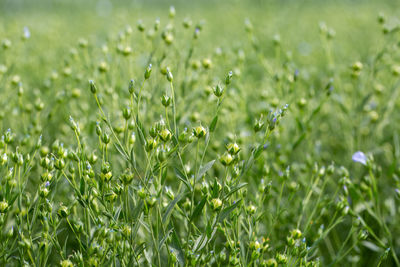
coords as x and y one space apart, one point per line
360 158
47 184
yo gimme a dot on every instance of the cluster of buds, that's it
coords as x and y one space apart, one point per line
186 137
106 173
258 248
126 178
231 155
293 237
44 189
47 163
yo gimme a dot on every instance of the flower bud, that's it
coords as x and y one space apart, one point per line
357 66
296 233
169 192
226 159
271 263
131 86
3 206
165 100
105 138
187 23
82 43
59 164
63 211
103 67
396 70
6 44
362 235
233 148
8 137
281 258
142 193
151 143
172 12
10 232
127 178
151 201
3 159
247 25
195 64
140 26
206 63
251 209
381 18
168 38
147 72
66 263
258 125
170 77
290 241
93 87
126 113
218 91
165 135
44 189
132 138
199 131
216 204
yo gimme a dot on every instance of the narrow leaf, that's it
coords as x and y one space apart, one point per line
213 123
225 213
205 168
198 209
170 207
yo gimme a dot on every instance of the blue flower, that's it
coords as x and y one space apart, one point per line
360 157
27 33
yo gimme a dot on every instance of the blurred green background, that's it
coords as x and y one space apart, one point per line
59 24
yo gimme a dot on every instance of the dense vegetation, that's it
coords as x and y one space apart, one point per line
255 133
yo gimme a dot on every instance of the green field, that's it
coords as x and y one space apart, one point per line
199 133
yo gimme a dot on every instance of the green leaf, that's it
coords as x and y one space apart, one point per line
213 123
198 209
371 246
200 242
171 206
140 131
172 150
258 151
182 177
121 151
162 241
164 176
177 248
225 213
133 159
235 189
205 168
